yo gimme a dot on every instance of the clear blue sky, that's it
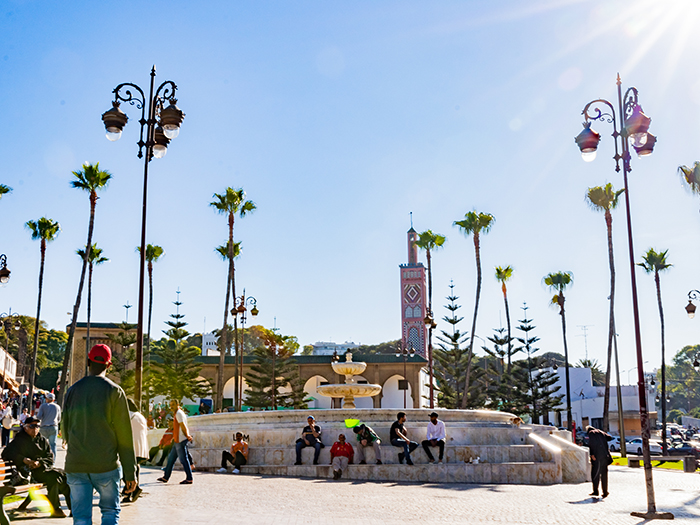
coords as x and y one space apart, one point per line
339 119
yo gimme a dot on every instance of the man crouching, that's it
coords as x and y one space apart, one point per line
31 453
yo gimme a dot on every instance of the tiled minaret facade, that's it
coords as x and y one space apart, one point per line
413 299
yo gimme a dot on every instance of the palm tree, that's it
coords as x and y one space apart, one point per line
558 282
229 203
153 253
430 241
4 189
502 276
44 230
90 179
655 262
605 198
94 259
691 176
474 224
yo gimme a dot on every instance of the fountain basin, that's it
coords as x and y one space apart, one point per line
349 368
349 392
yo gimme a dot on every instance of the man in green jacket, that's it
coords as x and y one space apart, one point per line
367 437
97 429
31 453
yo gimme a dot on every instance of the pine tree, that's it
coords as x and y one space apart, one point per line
534 391
274 369
175 373
123 357
451 357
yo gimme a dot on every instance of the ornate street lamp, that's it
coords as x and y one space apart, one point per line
239 308
430 325
159 123
633 126
403 352
4 272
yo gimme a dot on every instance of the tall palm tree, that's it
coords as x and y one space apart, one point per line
44 230
430 242
558 282
90 179
4 189
655 262
94 259
604 199
229 203
502 276
474 224
153 253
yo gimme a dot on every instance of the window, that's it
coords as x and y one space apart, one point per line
409 312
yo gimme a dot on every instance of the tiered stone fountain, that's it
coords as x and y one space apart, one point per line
350 389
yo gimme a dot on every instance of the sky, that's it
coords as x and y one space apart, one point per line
339 119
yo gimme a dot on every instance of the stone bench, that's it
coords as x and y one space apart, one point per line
689 462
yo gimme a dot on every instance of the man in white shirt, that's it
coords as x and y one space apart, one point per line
435 438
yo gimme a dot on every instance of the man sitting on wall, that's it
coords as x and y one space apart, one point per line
310 437
341 455
435 438
237 457
31 453
399 438
366 438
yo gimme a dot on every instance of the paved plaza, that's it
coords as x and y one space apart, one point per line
222 498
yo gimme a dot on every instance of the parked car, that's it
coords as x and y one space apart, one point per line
614 445
684 449
635 446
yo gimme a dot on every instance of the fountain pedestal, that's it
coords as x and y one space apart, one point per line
351 389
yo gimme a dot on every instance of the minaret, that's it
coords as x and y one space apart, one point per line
413 298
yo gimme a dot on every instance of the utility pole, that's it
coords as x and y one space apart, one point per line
585 328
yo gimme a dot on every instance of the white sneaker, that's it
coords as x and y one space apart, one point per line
440 462
236 471
222 470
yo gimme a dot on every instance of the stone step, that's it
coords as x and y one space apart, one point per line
282 456
526 473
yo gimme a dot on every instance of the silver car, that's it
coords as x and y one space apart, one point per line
635 446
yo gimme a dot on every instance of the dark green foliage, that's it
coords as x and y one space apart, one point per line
382 348
175 374
682 381
597 374
123 357
450 356
274 369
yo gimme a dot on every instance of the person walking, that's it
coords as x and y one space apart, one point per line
600 458
97 429
139 433
7 422
49 414
181 440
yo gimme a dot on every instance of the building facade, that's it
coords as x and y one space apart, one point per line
330 348
413 299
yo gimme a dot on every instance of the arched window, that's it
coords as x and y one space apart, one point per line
417 312
409 312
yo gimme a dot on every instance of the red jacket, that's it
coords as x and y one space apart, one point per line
344 449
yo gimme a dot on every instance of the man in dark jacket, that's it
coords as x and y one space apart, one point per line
367 437
600 458
97 429
31 453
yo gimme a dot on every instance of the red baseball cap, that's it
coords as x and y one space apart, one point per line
101 354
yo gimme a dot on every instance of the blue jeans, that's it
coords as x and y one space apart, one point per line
302 444
49 432
107 486
179 451
408 447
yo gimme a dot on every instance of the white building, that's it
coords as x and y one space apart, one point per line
328 348
587 403
209 341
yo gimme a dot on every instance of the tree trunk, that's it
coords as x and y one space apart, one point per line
32 370
223 347
89 311
510 342
148 329
663 363
476 311
76 307
611 325
566 359
430 329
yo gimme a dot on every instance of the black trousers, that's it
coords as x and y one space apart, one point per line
440 444
5 436
236 462
56 482
599 474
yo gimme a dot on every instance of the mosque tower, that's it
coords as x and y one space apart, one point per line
413 299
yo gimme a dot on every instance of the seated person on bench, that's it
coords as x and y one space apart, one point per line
31 454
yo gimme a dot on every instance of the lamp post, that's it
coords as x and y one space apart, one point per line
239 308
430 324
633 126
160 124
4 271
404 353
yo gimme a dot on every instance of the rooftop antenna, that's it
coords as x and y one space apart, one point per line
411 214
585 327
127 306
